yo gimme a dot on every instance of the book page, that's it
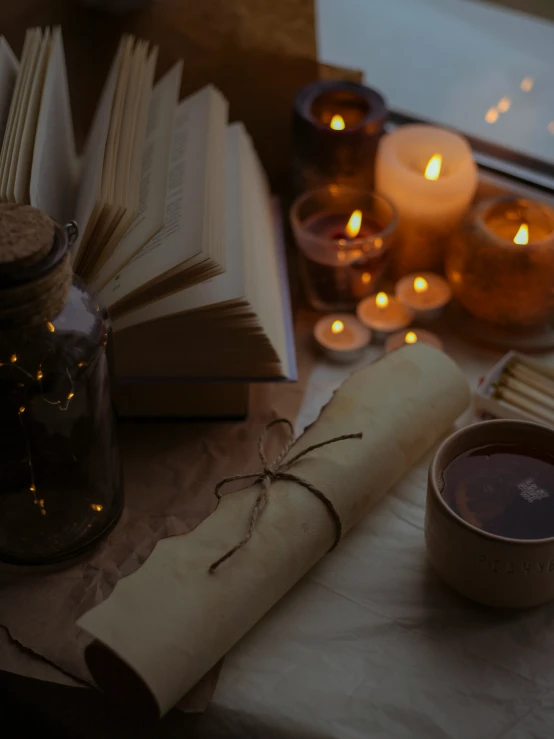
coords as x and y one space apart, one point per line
9 67
9 132
28 70
93 159
153 176
186 216
221 289
131 186
24 160
54 160
119 212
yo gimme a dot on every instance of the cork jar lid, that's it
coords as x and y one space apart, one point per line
35 268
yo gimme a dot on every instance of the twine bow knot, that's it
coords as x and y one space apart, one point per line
278 470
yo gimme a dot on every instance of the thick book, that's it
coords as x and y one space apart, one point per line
176 228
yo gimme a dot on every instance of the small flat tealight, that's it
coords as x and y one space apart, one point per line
505 489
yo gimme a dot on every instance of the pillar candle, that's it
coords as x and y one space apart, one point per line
430 176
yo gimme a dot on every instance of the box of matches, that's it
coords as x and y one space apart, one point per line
517 387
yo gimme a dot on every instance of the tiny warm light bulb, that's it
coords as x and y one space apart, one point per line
411 337
21 409
522 236
32 488
433 168
337 123
527 84
70 395
39 375
421 285
337 327
354 225
504 104
97 507
381 300
491 116
366 278
50 326
13 358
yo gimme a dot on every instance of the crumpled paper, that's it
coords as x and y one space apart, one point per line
171 470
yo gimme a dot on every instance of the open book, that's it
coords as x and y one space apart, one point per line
176 228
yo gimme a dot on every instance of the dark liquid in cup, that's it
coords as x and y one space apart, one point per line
505 489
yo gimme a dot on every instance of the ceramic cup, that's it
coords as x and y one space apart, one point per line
490 569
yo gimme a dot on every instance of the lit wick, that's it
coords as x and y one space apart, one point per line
337 123
354 225
522 236
421 285
411 337
381 300
433 168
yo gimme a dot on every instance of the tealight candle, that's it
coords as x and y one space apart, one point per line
412 337
430 176
425 294
341 337
383 314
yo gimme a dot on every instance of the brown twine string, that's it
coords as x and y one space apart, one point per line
277 470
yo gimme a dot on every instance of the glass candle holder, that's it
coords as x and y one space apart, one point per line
500 264
336 129
344 236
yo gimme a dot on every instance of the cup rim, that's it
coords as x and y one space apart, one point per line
346 189
434 479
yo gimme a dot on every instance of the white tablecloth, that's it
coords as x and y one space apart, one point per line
372 644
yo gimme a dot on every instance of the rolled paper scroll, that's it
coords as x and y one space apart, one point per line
167 624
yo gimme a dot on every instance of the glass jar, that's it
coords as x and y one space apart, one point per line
500 264
344 237
61 484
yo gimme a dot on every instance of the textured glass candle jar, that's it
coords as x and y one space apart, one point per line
500 264
338 271
60 473
336 128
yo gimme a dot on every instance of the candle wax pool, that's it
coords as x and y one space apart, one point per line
505 489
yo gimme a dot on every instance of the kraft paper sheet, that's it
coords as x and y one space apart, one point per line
167 624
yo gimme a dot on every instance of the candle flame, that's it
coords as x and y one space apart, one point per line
421 285
381 300
411 337
337 123
354 224
337 327
522 236
433 168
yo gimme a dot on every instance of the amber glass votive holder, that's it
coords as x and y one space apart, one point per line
338 266
336 128
500 264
